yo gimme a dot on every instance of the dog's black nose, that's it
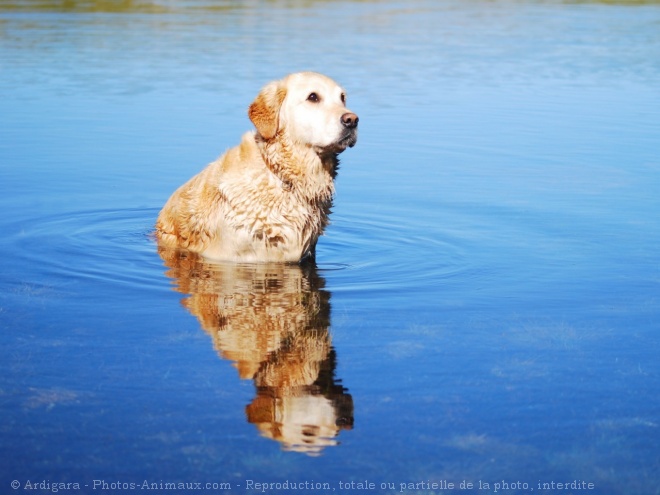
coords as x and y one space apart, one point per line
349 120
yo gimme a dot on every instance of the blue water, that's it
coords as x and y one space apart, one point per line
485 307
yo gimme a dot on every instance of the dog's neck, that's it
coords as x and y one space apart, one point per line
302 169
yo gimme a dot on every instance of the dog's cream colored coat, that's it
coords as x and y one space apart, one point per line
267 199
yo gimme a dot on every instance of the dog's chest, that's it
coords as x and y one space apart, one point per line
272 220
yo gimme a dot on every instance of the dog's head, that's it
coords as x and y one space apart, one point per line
310 108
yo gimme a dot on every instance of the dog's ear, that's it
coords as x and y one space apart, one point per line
265 109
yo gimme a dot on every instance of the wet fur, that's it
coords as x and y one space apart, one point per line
267 199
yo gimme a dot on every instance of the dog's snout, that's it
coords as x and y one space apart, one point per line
349 120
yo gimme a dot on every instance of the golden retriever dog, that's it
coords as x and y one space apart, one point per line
267 199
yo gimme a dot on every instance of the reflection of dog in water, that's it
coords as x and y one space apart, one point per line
273 321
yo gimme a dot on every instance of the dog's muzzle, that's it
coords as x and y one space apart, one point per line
349 120
349 137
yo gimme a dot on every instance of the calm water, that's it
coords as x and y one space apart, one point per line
486 305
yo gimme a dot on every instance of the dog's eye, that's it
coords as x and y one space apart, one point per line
313 97
343 98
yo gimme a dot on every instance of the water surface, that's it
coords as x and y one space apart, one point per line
485 307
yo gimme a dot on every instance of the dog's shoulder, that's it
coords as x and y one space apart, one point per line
195 213
244 157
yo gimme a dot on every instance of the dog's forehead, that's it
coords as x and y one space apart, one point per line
312 81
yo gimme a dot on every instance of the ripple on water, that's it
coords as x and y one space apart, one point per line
111 246
387 253
360 253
